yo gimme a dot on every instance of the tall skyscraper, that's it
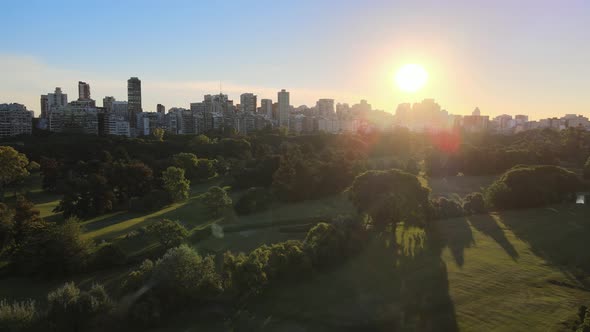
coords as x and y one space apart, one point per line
134 100
52 101
284 105
107 103
325 107
83 91
248 102
266 107
161 109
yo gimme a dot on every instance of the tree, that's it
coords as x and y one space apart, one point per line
86 196
158 134
217 201
474 203
254 200
533 186
175 183
6 227
129 180
50 172
13 167
168 232
587 169
390 197
205 169
188 162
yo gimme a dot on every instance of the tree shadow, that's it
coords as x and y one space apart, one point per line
453 233
383 288
558 234
489 225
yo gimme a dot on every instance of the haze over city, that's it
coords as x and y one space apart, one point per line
503 57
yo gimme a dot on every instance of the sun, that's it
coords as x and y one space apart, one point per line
411 77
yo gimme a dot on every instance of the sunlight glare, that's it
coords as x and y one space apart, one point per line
411 77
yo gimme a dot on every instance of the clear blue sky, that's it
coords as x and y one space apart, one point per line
523 56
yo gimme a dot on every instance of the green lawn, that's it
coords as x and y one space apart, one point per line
497 272
459 185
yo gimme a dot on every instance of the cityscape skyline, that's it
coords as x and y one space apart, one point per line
504 58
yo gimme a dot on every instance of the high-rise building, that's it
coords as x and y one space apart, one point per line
107 103
134 100
161 109
325 107
266 107
52 101
83 91
284 106
15 119
248 102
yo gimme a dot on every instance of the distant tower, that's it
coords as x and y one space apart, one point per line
248 102
161 109
266 107
476 111
134 100
107 103
52 101
283 98
83 91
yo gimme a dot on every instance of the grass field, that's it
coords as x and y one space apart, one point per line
522 270
481 275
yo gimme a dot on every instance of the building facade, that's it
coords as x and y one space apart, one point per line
134 100
15 119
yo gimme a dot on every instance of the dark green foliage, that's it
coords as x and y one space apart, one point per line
168 232
137 278
329 244
108 256
254 200
257 173
474 203
444 208
152 201
205 169
70 309
217 201
129 180
390 197
18 316
182 274
532 186
53 249
175 183
85 197
50 172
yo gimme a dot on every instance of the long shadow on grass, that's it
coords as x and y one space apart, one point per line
455 234
559 235
383 288
489 226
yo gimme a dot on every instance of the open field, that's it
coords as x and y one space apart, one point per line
522 270
483 274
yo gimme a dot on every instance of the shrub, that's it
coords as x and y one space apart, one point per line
138 278
70 309
474 203
183 274
107 256
217 201
168 232
532 186
254 200
446 208
17 316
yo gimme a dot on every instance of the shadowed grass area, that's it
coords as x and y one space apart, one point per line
459 185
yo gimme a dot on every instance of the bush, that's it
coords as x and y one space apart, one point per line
254 200
183 274
216 200
446 208
532 186
138 278
107 256
474 203
168 232
17 316
70 309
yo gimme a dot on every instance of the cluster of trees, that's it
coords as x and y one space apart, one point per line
444 208
533 186
183 277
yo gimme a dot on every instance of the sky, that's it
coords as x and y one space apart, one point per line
504 56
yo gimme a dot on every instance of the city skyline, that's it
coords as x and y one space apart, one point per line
504 58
